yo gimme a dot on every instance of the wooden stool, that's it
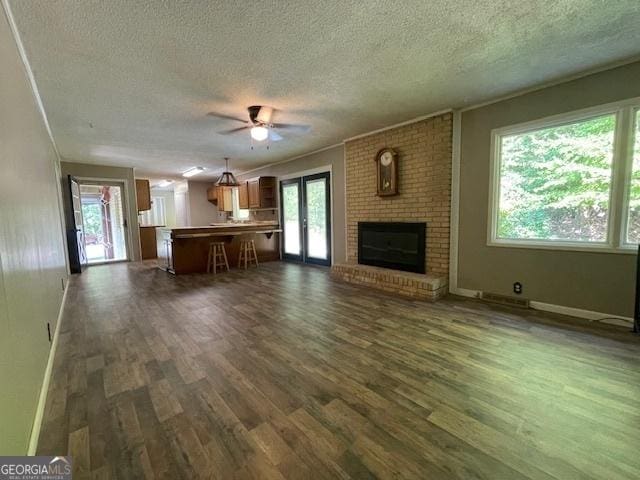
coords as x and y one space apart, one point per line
247 254
217 257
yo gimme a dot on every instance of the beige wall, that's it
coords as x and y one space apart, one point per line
333 157
169 205
593 281
85 170
201 211
424 185
32 252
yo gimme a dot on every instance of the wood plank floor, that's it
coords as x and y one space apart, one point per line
281 372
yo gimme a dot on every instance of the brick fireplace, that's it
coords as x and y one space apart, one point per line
424 184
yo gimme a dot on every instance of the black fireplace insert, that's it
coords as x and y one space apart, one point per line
396 245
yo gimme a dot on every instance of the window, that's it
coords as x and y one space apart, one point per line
238 213
559 182
632 233
155 216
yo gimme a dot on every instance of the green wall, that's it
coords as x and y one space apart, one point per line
601 282
32 251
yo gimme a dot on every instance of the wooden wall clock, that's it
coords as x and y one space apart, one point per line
387 172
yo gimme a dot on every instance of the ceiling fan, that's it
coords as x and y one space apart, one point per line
260 124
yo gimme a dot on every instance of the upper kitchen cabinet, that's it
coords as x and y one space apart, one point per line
212 194
143 195
243 196
262 192
222 197
225 199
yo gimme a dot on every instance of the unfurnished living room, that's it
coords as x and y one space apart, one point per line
317 240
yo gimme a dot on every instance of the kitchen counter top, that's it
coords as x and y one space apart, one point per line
220 229
246 225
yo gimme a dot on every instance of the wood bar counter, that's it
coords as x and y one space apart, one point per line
185 249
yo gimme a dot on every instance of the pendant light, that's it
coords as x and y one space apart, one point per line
227 179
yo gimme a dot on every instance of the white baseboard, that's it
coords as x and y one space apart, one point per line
561 309
465 292
578 312
42 399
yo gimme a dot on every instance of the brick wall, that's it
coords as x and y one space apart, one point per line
424 185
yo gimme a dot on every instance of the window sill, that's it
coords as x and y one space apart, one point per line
564 246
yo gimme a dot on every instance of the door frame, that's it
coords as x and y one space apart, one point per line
307 173
304 180
282 183
124 184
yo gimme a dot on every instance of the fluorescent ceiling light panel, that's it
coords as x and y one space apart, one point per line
193 171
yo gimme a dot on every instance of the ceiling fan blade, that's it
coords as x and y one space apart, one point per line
274 136
226 117
233 130
292 127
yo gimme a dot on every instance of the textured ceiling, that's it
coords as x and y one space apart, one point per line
129 82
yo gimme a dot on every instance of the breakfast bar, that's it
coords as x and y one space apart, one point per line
185 249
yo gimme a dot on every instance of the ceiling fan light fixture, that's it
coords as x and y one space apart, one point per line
227 179
259 133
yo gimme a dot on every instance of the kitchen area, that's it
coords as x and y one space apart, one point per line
178 220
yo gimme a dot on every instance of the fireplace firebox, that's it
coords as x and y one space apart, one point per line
395 245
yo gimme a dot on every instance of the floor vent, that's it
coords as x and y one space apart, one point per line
505 300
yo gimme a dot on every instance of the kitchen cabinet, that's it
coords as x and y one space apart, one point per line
222 197
262 192
212 194
253 187
148 243
243 195
143 195
225 199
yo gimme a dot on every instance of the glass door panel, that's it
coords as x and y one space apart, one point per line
291 198
317 208
104 223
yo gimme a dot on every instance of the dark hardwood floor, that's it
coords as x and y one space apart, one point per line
281 372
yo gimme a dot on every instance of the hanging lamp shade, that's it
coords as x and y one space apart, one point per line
227 179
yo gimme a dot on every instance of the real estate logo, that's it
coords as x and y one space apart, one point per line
35 468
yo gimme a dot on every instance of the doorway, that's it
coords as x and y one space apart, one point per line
103 222
306 218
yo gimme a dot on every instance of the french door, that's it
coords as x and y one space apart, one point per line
306 218
104 221
75 229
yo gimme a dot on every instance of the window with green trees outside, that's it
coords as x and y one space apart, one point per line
572 181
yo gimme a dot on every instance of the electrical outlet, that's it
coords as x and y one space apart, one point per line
517 288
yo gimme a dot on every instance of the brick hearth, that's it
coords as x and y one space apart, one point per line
406 284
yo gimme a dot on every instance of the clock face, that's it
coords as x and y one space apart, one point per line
386 158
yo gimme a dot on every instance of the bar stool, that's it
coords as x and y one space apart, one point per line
247 253
217 257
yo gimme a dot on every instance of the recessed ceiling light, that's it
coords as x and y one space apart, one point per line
164 183
193 171
259 133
